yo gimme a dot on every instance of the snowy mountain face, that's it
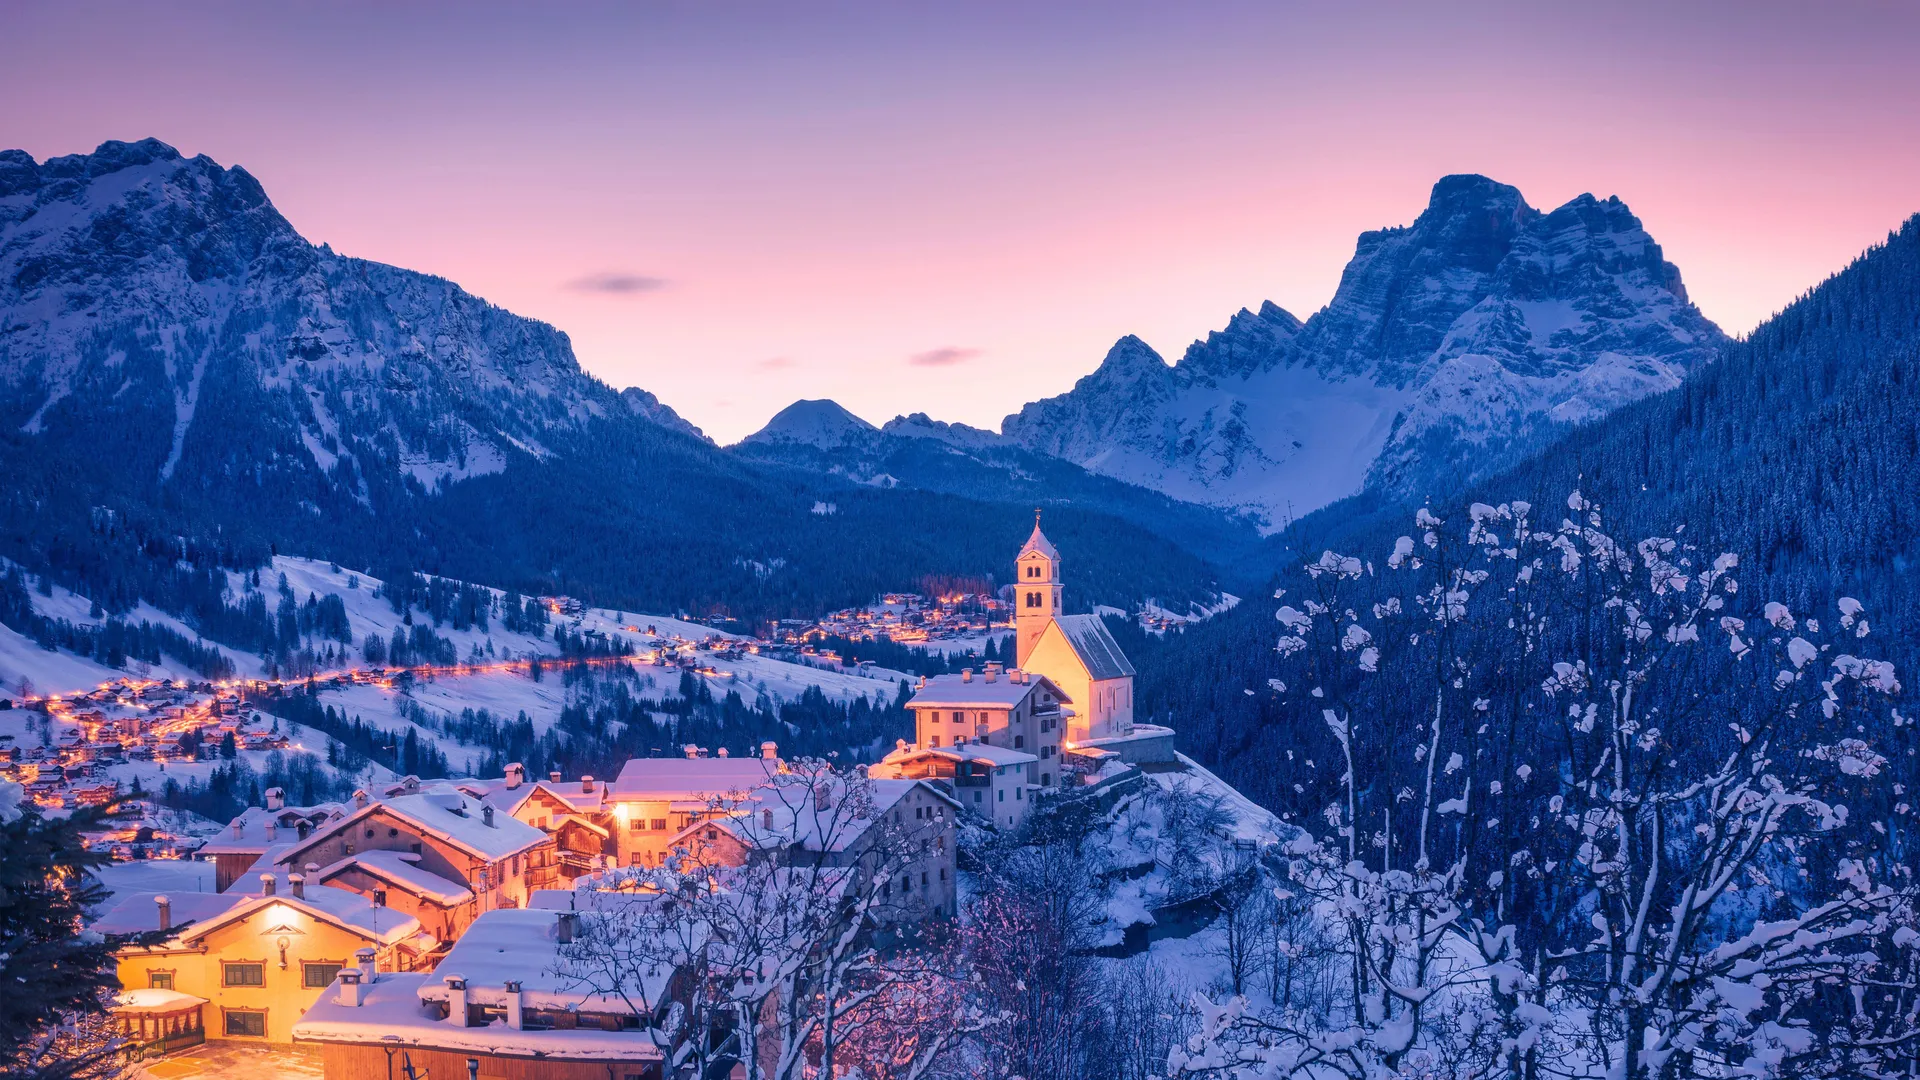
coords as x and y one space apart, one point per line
169 294
1451 345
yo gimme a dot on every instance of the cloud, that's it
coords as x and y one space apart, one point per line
614 284
945 356
776 363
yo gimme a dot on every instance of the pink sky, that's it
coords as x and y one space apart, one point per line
784 201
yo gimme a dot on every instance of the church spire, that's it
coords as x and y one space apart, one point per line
1038 541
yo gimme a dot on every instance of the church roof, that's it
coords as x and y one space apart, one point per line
1039 542
1095 646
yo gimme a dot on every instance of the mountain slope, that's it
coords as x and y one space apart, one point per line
1451 346
917 452
186 381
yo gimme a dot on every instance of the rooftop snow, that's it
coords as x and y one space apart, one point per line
401 868
664 778
1091 639
393 1014
977 692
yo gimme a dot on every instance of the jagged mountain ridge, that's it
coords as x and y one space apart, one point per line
1451 345
133 274
181 371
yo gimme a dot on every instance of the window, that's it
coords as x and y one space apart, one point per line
933 740
1046 779
243 974
251 1023
1003 794
943 873
637 825
160 980
315 975
923 879
1017 793
977 796
659 824
634 859
1019 741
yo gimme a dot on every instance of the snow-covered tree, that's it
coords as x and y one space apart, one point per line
1592 817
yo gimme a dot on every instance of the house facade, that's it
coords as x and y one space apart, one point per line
252 962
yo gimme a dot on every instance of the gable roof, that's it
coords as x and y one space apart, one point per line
198 914
403 869
977 692
444 812
1094 644
662 778
248 833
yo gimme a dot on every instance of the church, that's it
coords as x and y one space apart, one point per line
999 737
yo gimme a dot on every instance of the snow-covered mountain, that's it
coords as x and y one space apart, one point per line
169 292
1451 345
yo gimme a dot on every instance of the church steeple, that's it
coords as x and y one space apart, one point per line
1036 594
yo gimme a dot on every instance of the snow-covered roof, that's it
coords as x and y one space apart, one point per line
137 912
994 755
154 1000
665 778
195 915
392 1013
977 692
401 868
510 799
522 944
1038 542
442 811
248 834
1095 646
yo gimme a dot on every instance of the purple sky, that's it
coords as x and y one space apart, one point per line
956 209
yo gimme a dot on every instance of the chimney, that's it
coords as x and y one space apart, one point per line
352 993
297 885
368 965
360 799
722 752
515 1007
923 683
770 751
272 827
276 798
966 674
822 796
553 777
312 868
516 775
586 785
899 745
166 911
993 671
486 814
456 1000
564 927
239 829
266 884
692 751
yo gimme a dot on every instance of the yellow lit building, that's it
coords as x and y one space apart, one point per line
253 961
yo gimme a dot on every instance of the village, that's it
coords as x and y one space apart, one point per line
467 923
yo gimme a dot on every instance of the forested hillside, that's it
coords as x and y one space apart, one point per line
1798 450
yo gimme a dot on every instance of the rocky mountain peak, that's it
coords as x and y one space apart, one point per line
1450 344
820 422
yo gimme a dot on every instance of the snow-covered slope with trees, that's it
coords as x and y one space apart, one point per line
1451 345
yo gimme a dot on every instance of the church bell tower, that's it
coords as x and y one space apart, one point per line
1036 595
